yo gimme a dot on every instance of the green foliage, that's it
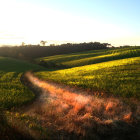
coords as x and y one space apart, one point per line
12 91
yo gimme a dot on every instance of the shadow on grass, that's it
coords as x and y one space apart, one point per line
10 133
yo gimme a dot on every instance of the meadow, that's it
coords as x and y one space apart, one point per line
12 92
89 57
115 71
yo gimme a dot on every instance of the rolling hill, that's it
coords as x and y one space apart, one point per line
12 91
116 71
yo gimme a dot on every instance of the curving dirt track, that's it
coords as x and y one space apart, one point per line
79 115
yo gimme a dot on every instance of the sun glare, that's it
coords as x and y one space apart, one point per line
43 23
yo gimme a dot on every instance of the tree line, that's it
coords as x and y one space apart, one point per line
34 51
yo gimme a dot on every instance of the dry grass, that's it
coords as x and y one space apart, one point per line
80 113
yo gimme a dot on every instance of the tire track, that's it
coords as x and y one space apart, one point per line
68 109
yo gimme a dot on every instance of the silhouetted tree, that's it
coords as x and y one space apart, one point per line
34 51
43 42
23 44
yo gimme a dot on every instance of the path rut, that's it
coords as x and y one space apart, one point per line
75 111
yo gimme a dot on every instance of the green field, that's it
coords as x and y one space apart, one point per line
116 71
90 57
113 71
12 91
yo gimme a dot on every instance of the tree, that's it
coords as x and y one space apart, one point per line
43 42
22 44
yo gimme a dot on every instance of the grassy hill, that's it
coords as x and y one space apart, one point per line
12 91
115 71
89 57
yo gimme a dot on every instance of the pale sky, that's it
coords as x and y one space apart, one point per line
111 21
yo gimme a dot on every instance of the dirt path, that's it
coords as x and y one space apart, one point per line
75 111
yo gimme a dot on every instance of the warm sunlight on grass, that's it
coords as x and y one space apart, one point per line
90 57
80 112
120 77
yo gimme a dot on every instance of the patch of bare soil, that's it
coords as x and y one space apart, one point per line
75 114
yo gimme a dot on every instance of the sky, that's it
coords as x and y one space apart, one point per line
30 21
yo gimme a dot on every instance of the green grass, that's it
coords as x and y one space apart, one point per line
12 91
119 77
116 71
90 57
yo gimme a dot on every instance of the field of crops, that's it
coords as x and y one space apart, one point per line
90 57
109 71
12 91
120 77
114 71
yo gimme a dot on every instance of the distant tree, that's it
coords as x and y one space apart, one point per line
107 45
43 42
35 51
52 45
22 44
124 46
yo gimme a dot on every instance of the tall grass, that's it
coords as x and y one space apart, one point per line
76 111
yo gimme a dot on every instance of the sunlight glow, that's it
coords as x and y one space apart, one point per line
22 21
78 111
